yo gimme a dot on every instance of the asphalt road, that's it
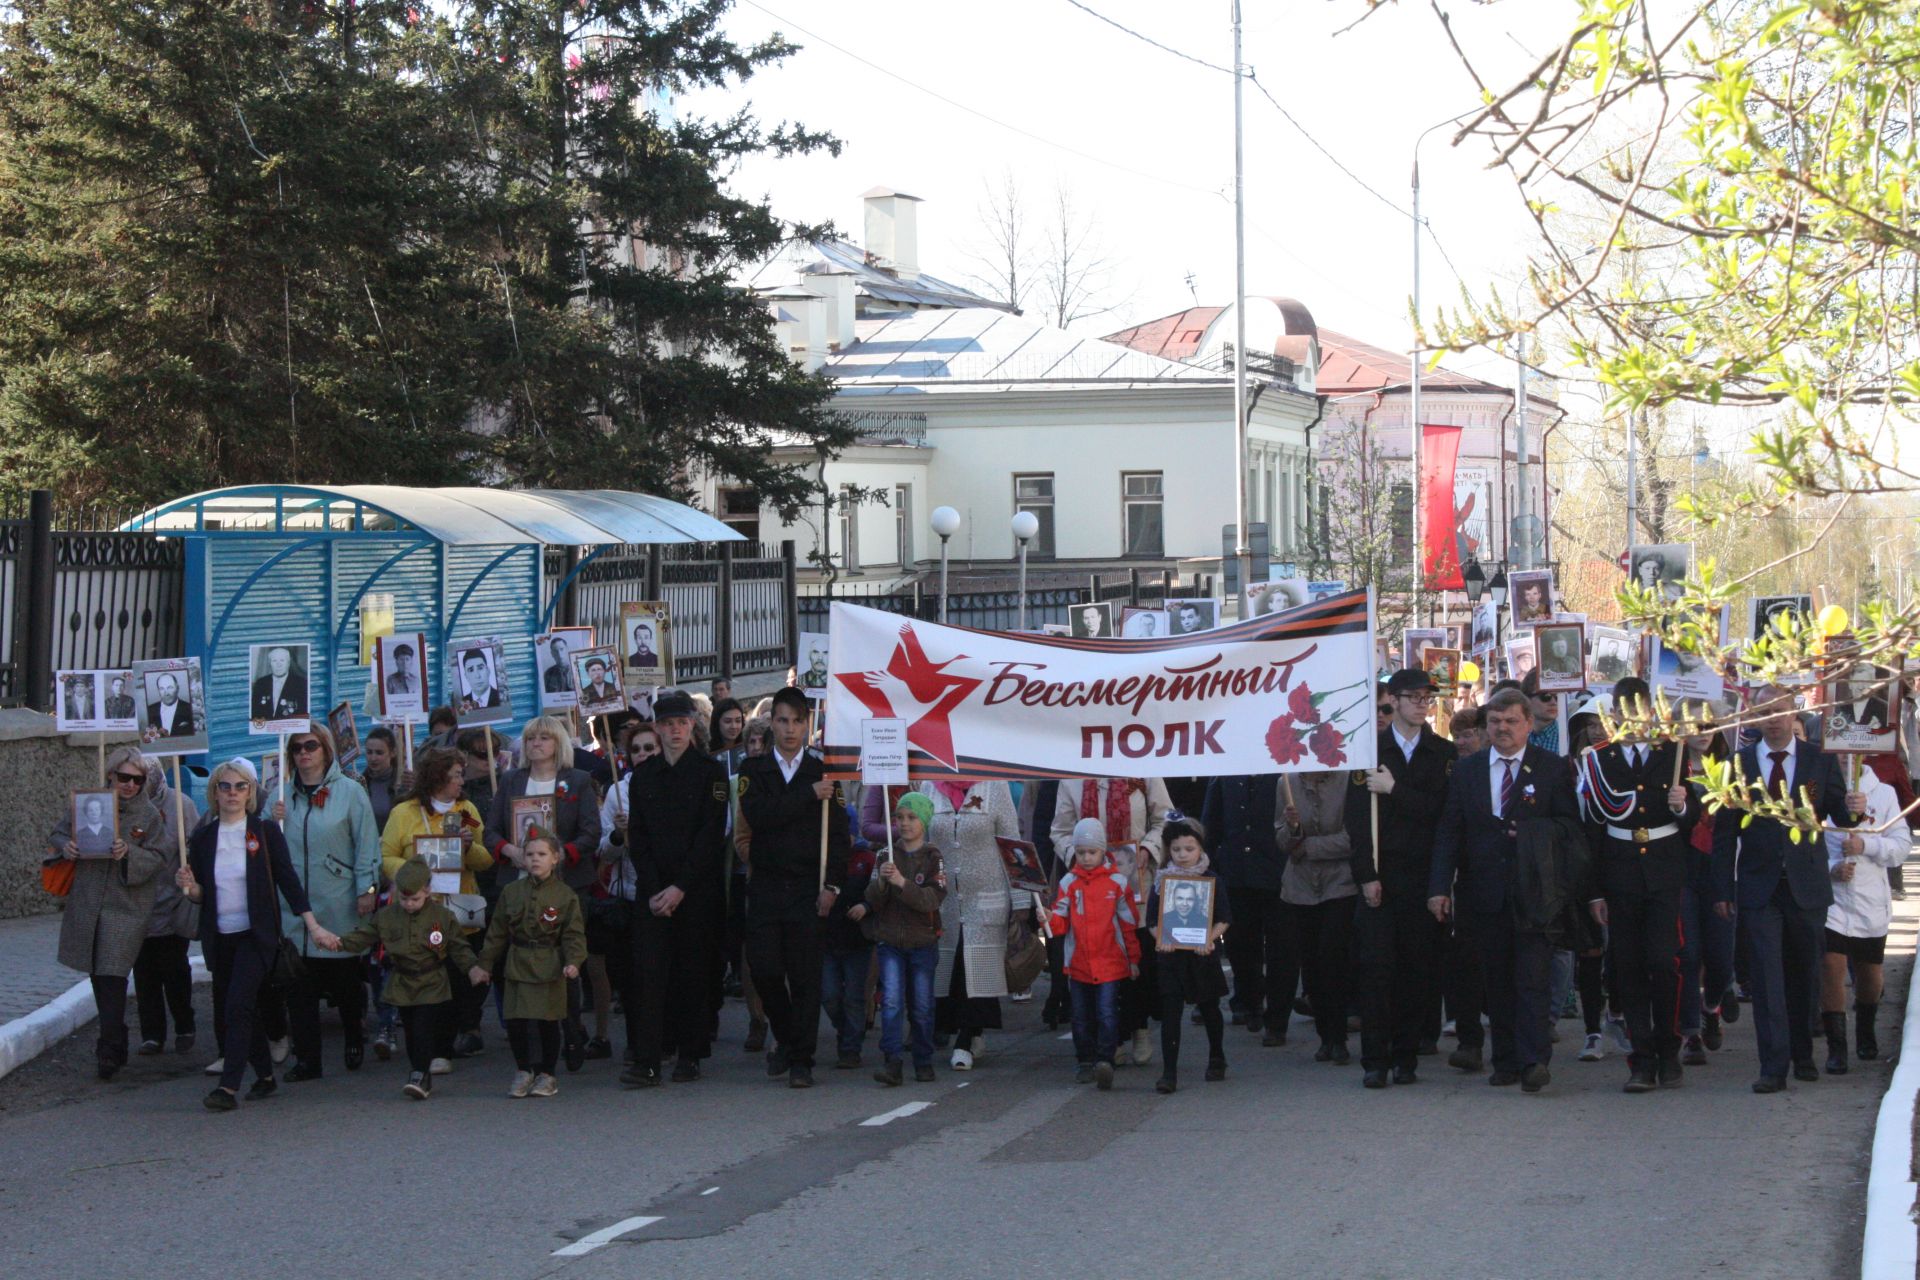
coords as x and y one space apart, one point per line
1288 1166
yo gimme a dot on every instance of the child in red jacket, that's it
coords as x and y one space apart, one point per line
1096 911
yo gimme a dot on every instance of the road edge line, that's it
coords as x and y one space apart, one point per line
30 1035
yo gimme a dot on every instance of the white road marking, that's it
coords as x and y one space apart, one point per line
1067 1036
605 1235
898 1113
963 1084
710 1191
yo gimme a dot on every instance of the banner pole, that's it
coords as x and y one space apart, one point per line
179 811
493 779
823 842
886 806
100 741
283 769
1373 806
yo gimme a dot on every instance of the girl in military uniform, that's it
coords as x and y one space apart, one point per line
540 917
420 936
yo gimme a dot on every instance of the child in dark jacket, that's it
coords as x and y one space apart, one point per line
904 897
1096 913
847 957
1187 977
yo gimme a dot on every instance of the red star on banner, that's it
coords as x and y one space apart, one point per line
914 688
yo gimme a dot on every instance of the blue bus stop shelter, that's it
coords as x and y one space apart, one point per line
292 563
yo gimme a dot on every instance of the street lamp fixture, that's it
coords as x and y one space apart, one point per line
946 523
1498 587
1474 578
1025 526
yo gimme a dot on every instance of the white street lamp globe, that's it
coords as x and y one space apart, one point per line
1025 525
945 521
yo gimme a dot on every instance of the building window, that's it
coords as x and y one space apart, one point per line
849 531
740 511
1035 493
1140 512
903 523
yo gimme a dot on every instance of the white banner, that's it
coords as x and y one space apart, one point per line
1283 693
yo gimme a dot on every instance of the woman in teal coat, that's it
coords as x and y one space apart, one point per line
335 846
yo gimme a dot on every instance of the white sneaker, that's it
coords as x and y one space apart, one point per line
961 1060
1142 1048
978 1048
522 1084
1617 1032
1450 1029
280 1049
1594 1050
439 1067
544 1086
215 1067
1021 997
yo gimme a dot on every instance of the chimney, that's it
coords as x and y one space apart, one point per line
835 284
799 325
893 241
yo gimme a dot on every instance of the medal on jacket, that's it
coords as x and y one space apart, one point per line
550 915
435 938
253 843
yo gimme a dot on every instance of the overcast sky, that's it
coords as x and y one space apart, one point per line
1144 140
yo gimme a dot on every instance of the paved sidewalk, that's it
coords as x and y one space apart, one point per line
33 976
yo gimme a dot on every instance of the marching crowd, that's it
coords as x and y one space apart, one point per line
1482 886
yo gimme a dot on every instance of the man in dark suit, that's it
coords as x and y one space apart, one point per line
119 705
170 716
1492 792
1781 889
1639 823
79 698
281 693
558 678
784 797
476 676
1395 941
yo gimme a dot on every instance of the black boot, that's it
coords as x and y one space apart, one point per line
1866 1039
1836 1029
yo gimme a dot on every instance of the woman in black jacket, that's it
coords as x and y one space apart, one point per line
235 865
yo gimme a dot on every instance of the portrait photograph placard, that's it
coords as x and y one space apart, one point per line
1186 617
277 702
1685 675
442 854
1662 565
1276 596
1323 590
1137 622
811 666
1486 625
346 733
175 720
1762 610
596 678
1613 656
1442 665
77 709
1861 711
553 665
1559 655
1091 621
1414 643
96 822
1025 873
1529 597
119 709
646 644
530 812
399 679
269 776
1519 657
477 678
1186 911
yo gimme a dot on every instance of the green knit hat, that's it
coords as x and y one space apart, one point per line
917 805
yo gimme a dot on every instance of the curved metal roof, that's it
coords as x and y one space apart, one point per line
459 517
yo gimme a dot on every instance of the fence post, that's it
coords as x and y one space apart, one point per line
1093 588
1133 587
568 613
793 603
653 573
36 564
1166 584
723 615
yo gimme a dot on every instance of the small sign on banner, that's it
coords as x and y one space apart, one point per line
883 753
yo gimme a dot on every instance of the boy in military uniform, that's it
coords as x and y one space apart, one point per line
420 936
540 915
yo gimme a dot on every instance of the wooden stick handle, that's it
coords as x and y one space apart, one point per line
1679 760
493 777
179 811
1373 804
823 842
1286 788
283 769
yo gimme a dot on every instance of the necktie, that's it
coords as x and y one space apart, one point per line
1506 787
1638 756
1777 779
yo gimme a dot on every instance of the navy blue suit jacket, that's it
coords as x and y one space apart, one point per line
263 913
1762 850
1477 845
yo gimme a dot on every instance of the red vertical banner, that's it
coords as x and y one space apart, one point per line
1439 529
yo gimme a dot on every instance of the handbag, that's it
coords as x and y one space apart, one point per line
56 877
1026 953
469 910
289 966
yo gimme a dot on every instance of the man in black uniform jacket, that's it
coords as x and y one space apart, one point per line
784 798
676 823
1396 939
1639 823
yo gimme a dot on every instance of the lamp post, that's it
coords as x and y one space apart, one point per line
1025 526
1474 579
946 523
1497 588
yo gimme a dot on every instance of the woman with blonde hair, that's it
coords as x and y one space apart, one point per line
546 745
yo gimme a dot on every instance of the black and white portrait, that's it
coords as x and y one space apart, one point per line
1186 910
1560 657
278 703
1765 609
1091 621
1519 657
1414 643
553 661
1277 596
1612 657
175 721
118 710
76 710
1662 565
1485 625
813 663
645 647
1188 617
400 683
1137 623
1862 710
95 822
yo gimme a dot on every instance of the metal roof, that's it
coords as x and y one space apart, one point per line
458 517
830 256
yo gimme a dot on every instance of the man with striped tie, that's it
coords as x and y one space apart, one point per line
1492 793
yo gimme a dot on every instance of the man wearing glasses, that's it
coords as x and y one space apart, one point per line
1395 937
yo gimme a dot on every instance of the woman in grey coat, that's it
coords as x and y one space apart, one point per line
162 976
968 818
111 900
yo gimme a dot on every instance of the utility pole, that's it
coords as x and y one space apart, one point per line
1525 495
1242 544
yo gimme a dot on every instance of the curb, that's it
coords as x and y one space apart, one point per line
26 1038
1891 1241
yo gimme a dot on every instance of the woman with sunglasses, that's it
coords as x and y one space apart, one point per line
335 846
105 922
236 866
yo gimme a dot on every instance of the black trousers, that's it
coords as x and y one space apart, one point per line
1323 939
785 958
337 980
1174 999
1260 949
1463 980
1518 968
521 1033
668 1001
469 1001
1643 947
239 966
1785 943
429 1029
1395 945
110 998
163 983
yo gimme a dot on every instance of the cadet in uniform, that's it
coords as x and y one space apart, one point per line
676 828
784 799
541 917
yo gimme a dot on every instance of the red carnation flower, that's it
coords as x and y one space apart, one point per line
1327 744
1283 742
1300 705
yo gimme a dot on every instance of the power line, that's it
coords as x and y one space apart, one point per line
1165 48
975 111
